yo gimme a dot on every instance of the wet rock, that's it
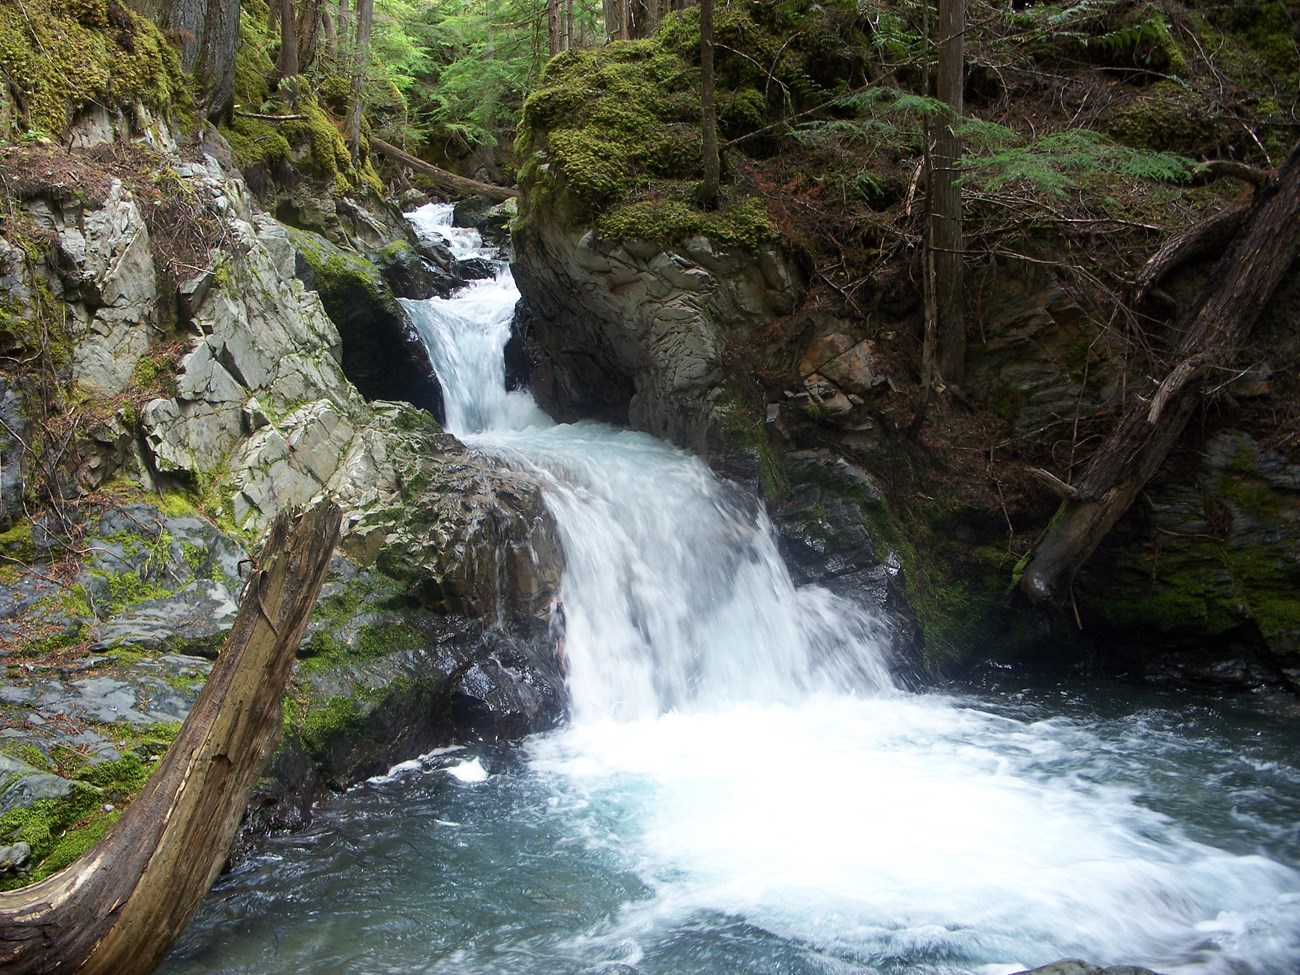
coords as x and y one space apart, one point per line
490 219
381 353
14 857
479 540
1073 966
634 333
409 275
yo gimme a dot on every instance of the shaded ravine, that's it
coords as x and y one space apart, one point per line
743 788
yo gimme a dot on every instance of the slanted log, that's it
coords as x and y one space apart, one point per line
120 908
1237 292
448 181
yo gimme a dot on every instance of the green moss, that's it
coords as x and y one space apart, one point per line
956 591
336 271
60 830
744 431
16 543
1168 117
612 135
745 225
26 752
68 55
321 725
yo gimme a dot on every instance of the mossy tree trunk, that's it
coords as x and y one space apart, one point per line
120 908
1264 249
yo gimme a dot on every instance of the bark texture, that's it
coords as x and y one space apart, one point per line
1237 292
945 209
120 908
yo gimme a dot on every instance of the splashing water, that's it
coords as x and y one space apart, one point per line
743 788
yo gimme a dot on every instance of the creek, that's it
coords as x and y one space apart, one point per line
744 787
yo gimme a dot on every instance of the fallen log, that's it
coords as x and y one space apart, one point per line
448 181
1226 310
120 908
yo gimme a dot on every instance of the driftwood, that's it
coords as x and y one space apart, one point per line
1237 292
120 908
449 181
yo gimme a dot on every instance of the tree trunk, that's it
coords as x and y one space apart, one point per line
1233 298
568 25
709 187
311 24
120 908
449 181
208 31
553 26
945 209
613 11
360 57
287 64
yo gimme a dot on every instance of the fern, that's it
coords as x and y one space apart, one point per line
1060 162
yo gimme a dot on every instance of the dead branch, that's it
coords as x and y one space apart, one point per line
1205 238
1237 292
449 181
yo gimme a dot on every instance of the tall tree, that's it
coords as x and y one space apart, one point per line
360 56
209 33
945 207
708 190
553 29
286 65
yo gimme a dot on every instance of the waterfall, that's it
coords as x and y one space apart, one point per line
674 595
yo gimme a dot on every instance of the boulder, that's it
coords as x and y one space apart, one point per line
635 333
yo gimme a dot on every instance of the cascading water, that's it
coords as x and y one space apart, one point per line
742 787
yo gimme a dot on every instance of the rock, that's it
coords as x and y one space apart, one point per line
1073 966
491 220
108 277
13 456
633 333
409 275
15 857
480 541
382 354
24 789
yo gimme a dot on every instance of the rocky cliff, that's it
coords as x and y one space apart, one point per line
168 383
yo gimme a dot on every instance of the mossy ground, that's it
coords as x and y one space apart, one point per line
310 145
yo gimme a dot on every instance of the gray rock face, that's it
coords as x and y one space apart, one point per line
13 458
633 333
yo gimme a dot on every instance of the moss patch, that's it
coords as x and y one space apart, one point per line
62 56
60 830
612 134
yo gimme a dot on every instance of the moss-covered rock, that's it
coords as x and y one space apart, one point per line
612 134
66 55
